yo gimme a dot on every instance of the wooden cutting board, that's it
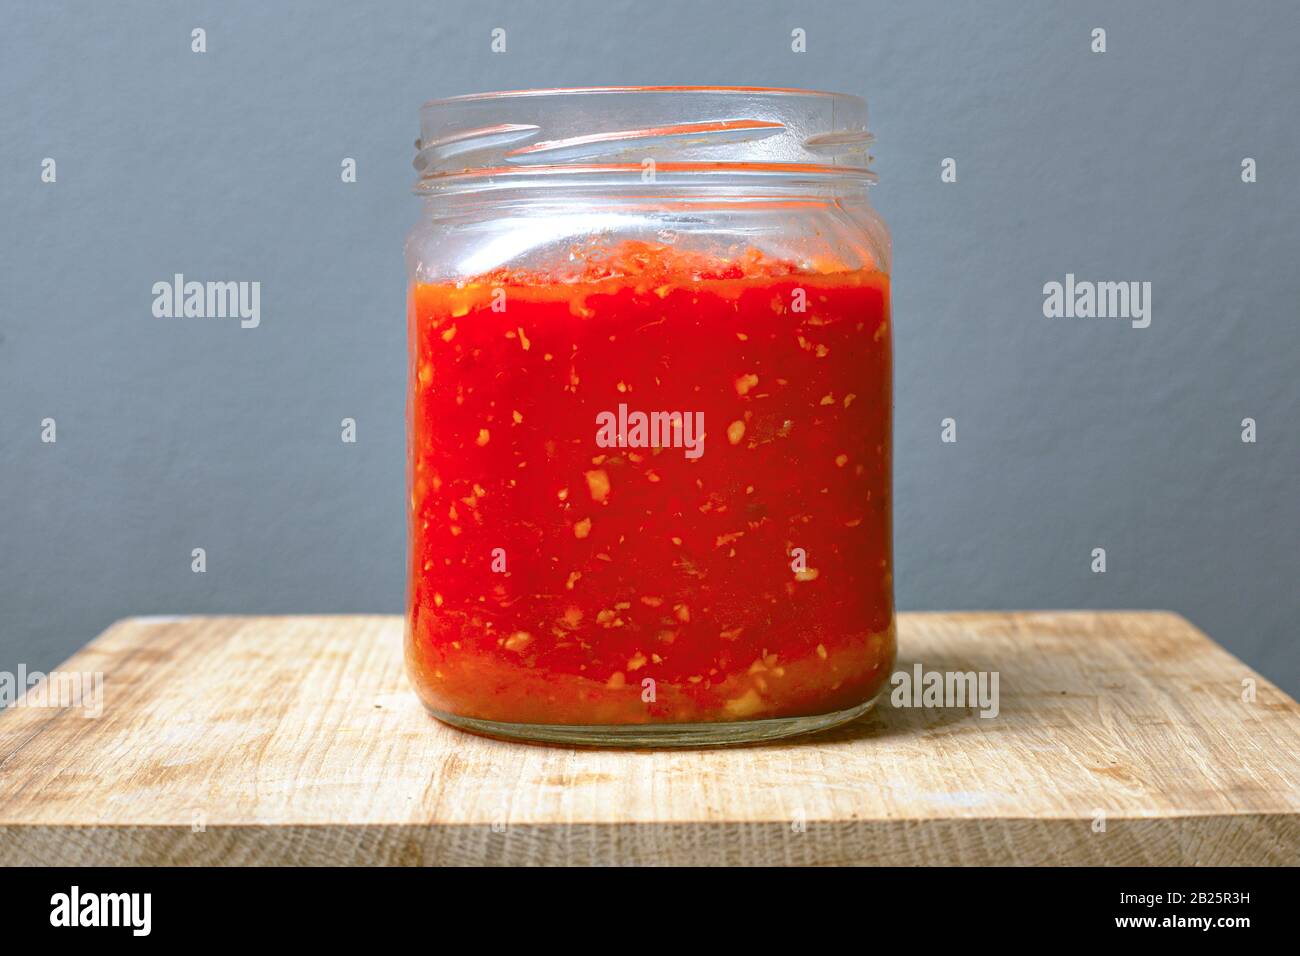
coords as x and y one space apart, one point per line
1122 738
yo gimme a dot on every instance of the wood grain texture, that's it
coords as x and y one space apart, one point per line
296 740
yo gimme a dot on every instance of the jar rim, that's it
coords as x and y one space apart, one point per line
741 128
555 90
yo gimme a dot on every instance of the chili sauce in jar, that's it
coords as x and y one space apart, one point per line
649 411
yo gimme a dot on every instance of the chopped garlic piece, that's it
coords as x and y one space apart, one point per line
598 484
518 641
745 705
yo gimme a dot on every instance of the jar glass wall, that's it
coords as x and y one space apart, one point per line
649 416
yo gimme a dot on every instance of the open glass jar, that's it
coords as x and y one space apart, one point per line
649 416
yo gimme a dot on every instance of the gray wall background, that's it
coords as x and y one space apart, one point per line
1072 434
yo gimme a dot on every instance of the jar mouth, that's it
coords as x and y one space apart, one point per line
678 130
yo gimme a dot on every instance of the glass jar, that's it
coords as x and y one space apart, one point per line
649 416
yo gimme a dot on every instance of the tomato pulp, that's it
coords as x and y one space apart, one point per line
572 562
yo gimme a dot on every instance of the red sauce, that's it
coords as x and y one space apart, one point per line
556 580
